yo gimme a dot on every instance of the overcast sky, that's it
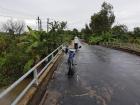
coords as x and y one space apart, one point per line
75 12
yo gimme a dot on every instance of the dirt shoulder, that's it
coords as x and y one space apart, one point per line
128 47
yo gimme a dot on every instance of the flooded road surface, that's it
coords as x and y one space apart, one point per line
103 77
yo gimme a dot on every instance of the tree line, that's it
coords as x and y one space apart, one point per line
101 28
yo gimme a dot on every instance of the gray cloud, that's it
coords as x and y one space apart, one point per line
76 12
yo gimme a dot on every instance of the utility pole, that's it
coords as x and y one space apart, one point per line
40 25
38 22
48 24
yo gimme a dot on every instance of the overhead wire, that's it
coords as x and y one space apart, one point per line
24 17
28 16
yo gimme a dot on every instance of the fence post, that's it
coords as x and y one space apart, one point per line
46 60
52 57
36 77
60 49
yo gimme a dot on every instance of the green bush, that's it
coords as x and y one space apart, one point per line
19 54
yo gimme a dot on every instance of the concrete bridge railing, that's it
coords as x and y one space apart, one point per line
36 76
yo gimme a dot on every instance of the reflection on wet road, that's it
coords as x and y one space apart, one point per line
103 77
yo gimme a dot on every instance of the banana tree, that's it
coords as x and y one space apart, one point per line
35 45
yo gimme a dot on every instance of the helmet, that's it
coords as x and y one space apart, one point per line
76 37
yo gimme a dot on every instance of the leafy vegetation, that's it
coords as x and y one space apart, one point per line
101 29
18 53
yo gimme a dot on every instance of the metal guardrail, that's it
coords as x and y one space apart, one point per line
36 76
129 46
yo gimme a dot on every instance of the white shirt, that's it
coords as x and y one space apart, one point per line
76 40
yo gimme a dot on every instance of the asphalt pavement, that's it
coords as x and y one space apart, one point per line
103 76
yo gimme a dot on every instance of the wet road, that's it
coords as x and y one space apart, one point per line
103 77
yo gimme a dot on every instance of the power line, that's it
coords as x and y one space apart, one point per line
25 17
28 16
16 17
15 11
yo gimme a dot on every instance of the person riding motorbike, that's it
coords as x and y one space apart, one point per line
71 55
71 62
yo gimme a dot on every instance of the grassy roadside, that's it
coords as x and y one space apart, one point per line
124 42
128 47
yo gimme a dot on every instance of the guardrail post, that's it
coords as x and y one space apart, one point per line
59 50
46 60
36 77
52 57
